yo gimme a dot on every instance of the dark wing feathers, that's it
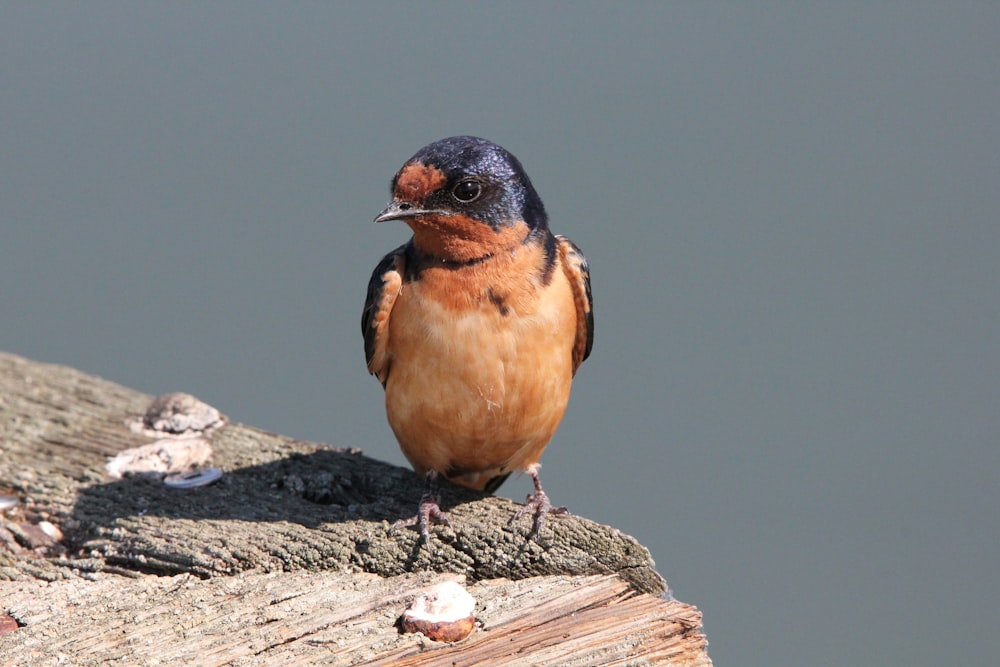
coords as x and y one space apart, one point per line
575 265
383 288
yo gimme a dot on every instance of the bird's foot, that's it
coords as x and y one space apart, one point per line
428 512
539 503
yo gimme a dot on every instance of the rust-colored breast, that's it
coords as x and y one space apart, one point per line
482 359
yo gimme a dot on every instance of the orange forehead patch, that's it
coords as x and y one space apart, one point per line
417 180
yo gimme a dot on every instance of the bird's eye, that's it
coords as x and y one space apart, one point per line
466 191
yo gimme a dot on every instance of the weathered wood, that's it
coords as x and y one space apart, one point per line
341 619
282 507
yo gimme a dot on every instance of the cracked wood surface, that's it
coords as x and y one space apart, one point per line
343 619
286 515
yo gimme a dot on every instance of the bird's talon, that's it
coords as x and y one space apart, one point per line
540 504
405 523
428 512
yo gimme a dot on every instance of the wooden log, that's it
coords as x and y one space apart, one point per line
289 557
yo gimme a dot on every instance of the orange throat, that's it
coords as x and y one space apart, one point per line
458 238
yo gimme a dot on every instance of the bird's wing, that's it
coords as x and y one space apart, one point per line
383 288
574 264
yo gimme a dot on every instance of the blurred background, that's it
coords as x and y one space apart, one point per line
790 213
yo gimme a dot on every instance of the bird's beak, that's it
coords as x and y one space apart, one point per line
398 210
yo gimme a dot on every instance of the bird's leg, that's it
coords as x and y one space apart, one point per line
427 512
539 503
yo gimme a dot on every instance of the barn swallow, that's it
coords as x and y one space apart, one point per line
476 326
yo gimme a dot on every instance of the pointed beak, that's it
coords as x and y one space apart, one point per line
398 210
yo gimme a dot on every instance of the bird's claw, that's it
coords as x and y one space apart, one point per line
540 504
428 512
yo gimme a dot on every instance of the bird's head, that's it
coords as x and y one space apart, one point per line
465 197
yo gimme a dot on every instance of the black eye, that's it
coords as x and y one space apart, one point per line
466 191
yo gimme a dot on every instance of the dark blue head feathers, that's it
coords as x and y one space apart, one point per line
482 180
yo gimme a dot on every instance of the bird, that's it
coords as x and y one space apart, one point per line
477 324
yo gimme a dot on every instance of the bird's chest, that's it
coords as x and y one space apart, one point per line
476 339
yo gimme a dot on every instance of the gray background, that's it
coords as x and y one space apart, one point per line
790 212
